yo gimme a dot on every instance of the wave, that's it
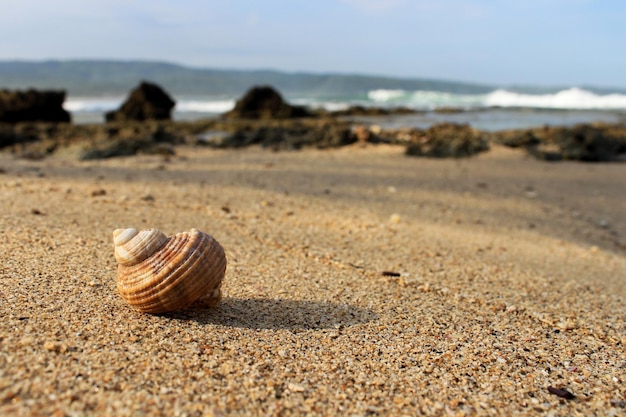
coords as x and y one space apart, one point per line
209 106
569 99
573 98
104 104
387 95
92 104
425 100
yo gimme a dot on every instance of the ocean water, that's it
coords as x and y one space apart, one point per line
569 99
497 110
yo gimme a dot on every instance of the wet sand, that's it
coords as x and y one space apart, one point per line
359 282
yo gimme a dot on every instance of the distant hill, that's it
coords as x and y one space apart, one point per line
108 77
86 78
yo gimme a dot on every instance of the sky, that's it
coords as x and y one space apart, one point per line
505 42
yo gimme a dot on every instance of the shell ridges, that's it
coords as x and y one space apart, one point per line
174 273
121 236
134 247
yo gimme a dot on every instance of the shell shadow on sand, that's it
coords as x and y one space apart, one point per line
278 314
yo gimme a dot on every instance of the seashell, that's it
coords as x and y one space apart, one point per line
157 274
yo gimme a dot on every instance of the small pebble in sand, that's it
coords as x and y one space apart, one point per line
395 218
54 346
295 387
99 192
561 393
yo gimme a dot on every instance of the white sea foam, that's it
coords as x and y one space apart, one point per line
205 106
438 99
92 104
331 105
573 98
386 95
425 100
104 104
314 103
570 99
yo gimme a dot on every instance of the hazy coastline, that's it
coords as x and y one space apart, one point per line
96 86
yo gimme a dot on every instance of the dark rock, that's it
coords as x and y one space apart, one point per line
146 102
589 143
585 142
449 110
32 106
402 136
21 133
115 148
291 137
265 103
371 111
126 147
446 140
7 135
96 140
516 138
131 140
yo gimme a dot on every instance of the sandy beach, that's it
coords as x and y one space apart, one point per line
360 282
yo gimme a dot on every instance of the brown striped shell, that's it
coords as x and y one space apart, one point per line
157 274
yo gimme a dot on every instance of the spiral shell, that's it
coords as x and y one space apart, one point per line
157 274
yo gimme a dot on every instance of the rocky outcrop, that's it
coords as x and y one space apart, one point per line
95 141
448 140
291 137
23 133
265 103
584 142
131 140
147 101
372 111
32 106
590 142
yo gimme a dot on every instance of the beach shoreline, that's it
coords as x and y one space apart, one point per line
359 282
